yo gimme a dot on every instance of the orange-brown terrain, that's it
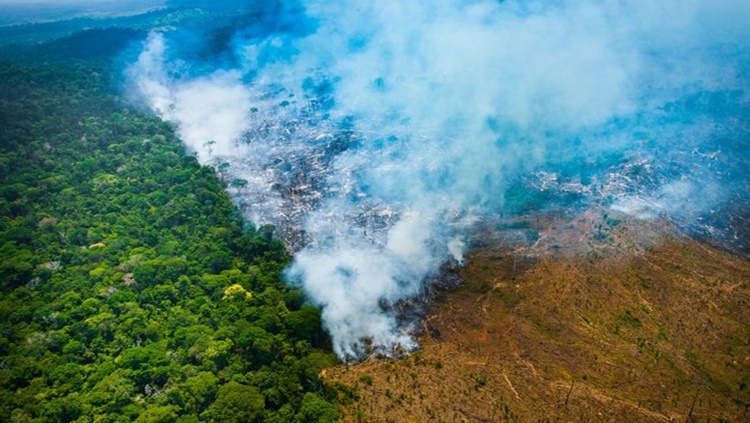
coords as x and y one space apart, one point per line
602 319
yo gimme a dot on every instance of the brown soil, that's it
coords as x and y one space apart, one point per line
621 331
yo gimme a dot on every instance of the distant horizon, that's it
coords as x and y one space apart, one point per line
69 2
19 12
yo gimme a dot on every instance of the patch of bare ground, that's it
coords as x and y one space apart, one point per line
621 331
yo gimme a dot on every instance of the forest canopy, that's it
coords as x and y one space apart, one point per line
132 289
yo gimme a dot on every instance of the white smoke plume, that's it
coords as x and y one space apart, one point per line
374 134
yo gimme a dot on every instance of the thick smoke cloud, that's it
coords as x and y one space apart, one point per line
375 134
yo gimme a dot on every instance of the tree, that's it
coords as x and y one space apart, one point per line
316 410
195 393
237 403
158 414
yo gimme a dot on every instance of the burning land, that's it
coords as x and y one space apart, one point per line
554 175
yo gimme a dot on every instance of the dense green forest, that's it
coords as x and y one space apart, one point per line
132 289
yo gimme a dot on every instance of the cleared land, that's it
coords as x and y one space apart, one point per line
600 320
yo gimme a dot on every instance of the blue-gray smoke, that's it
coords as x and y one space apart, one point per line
374 135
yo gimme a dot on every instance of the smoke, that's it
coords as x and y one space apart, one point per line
375 135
